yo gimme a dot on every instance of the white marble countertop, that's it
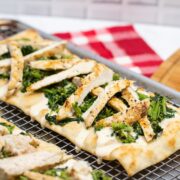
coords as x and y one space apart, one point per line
165 40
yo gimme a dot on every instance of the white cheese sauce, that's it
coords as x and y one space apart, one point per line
3 91
81 137
106 143
37 108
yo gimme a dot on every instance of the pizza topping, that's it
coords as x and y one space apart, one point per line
17 65
57 64
5 56
80 68
31 75
57 94
27 50
123 132
4 76
130 95
158 111
100 175
18 144
9 127
99 76
103 98
17 165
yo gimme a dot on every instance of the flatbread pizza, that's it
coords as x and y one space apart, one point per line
88 103
24 157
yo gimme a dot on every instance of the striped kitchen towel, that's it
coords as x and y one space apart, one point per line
119 44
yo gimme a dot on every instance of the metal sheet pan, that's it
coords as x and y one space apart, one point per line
168 169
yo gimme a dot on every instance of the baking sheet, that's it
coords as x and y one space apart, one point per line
168 169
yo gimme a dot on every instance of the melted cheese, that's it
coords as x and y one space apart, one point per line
37 108
106 143
81 137
3 91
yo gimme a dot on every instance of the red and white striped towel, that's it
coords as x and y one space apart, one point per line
120 44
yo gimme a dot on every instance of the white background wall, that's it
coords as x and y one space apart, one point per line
146 11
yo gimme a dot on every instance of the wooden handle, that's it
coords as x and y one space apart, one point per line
169 71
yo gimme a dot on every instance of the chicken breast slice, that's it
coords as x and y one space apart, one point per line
135 113
5 62
54 64
110 90
79 68
50 50
130 96
100 75
17 165
17 66
3 49
114 102
29 34
147 128
18 144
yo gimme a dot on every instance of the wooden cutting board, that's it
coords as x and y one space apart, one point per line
169 72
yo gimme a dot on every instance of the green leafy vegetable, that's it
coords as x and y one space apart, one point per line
31 75
4 153
100 175
116 77
57 94
58 172
106 112
137 129
52 120
5 56
88 101
123 132
4 76
10 128
27 50
142 96
23 178
158 111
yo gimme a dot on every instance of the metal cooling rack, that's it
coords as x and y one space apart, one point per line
165 170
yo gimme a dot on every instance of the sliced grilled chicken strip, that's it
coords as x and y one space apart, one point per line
110 90
133 114
79 68
100 75
147 128
5 62
50 50
3 49
54 64
138 112
13 166
106 122
130 96
35 44
29 34
114 102
17 66
18 144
